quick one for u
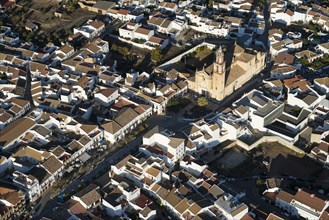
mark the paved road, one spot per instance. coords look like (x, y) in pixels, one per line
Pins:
(46, 204)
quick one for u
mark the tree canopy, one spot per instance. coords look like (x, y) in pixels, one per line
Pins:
(202, 101)
(156, 55)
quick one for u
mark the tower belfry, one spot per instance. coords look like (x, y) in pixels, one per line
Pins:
(219, 55)
(219, 64)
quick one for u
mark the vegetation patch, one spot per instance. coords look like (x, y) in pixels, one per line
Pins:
(175, 105)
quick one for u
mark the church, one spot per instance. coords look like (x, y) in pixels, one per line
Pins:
(219, 80)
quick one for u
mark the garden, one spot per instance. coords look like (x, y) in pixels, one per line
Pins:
(175, 105)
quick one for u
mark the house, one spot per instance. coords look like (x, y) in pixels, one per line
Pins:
(203, 135)
(122, 191)
(109, 79)
(43, 178)
(100, 7)
(31, 27)
(302, 204)
(90, 29)
(74, 207)
(143, 33)
(28, 184)
(63, 52)
(283, 200)
(231, 212)
(284, 59)
(148, 210)
(5, 118)
(54, 166)
(158, 42)
(283, 71)
(10, 136)
(168, 6)
(12, 201)
(89, 196)
(19, 107)
(112, 203)
(107, 96)
(293, 45)
(278, 47)
(322, 84)
(26, 157)
(133, 30)
(294, 119)
(324, 48)
(136, 79)
(283, 16)
(322, 152)
(309, 55)
(127, 30)
(275, 35)
(172, 147)
(127, 118)
(162, 25)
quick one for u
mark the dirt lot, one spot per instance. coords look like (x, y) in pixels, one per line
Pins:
(42, 13)
(231, 159)
(135, 57)
(286, 162)
(283, 162)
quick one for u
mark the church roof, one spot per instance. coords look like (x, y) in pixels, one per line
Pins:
(209, 69)
(238, 49)
(235, 72)
(245, 57)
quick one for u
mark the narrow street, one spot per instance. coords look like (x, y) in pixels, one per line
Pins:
(48, 201)
(45, 205)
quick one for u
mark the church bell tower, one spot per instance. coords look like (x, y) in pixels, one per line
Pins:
(219, 64)
(218, 77)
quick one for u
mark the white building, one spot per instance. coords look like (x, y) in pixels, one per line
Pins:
(91, 29)
(303, 204)
(107, 96)
(172, 146)
(283, 71)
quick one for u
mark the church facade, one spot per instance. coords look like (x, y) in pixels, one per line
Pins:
(218, 80)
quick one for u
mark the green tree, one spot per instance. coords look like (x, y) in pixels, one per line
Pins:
(303, 61)
(202, 101)
(124, 51)
(210, 3)
(172, 102)
(114, 47)
(156, 55)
